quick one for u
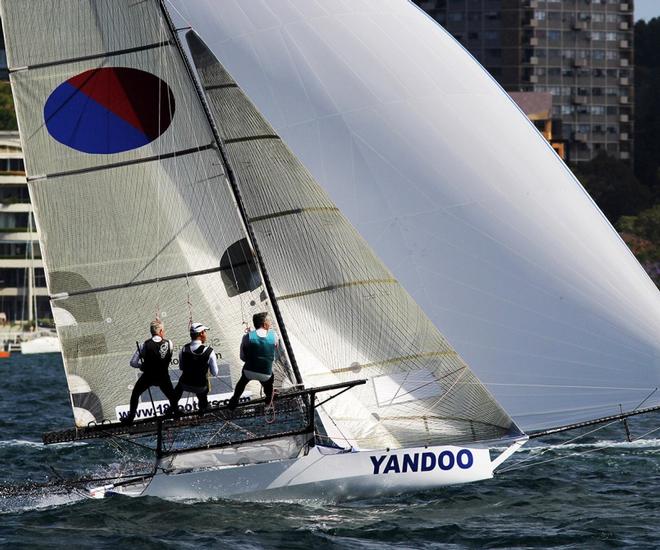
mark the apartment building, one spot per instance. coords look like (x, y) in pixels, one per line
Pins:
(580, 51)
(23, 293)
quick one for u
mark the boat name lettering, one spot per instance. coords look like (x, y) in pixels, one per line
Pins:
(425, 462)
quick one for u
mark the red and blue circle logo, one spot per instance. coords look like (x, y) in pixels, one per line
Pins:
(109, 110)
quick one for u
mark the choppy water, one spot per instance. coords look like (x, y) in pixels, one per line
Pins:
(603, 493)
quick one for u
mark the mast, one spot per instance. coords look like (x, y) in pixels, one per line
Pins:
(236, 193)
(30, 275)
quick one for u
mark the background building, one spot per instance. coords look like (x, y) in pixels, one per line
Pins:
(20, 257)
(580, 51)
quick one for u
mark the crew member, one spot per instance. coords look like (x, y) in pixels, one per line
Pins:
(195, 361)
(153, 359)
(258, 350)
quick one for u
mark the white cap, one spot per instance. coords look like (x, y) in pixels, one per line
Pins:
(196, 328)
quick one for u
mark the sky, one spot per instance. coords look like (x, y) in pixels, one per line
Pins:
(647, 9)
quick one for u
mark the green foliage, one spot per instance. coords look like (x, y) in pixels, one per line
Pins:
(642, 235)
(613, 186)
(646, 225)
(7, 114)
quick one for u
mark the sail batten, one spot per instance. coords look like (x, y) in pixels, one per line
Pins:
(91, 57)
(156, 158)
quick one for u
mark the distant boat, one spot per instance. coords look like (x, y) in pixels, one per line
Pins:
(41, 344)
(160, 189)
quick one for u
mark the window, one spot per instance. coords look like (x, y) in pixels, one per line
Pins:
(596, 35)
(540, 15)
(611, 36)
(597, 17)
(611, 55)
(598, 55)
(553, 36)
(597, 110)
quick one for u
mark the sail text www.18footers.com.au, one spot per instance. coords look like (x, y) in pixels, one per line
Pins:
(186, 405)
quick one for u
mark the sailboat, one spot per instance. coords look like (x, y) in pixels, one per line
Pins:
(39, 340)
(336, 165)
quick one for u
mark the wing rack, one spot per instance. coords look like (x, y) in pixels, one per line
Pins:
(294, 409)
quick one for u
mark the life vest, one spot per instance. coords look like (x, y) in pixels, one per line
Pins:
(260, 352)
(195, 365)
(156, 357)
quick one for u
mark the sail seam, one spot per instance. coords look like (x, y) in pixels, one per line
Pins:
(251, 138)
(390, 361)
(337, 286)
(92, 56)
(180, 153)
(294, 211)
(138, 283)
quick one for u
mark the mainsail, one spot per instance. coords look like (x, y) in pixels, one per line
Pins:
(347, 316)
(456, 192)
(135, 214)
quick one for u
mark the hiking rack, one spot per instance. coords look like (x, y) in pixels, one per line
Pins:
(294, 401)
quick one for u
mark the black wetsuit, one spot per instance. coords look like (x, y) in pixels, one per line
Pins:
(156, 357)
(194, 370)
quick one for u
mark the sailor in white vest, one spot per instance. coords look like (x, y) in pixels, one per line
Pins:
(153, 358)
(258, 350)
(196, 360)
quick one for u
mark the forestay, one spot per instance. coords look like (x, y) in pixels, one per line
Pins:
(127, 187)
(347, 316)
(457, 193)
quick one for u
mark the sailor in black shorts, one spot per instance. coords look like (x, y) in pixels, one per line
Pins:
(153, 359)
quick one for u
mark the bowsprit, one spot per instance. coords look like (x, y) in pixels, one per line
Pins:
(424, 462)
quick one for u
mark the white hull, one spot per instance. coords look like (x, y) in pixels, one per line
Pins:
(326, 477)
(41, 344)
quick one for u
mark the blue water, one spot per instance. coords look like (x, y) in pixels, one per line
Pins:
(601, 493)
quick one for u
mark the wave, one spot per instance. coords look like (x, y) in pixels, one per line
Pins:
(36, 444)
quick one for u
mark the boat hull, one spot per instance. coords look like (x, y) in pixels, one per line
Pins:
(41, 344)
(330, 477)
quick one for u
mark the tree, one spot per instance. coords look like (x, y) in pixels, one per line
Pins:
(613, 186)
(7, 114)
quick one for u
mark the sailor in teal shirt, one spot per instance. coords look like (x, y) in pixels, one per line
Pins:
(258, 350)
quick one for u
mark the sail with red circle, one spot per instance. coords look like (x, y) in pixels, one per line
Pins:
(109, 110)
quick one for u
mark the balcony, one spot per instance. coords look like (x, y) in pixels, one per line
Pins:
(533, 4)
(533, 60)
(579, 99)
(624, 118)
(624, 155)
(579, 62)
(580, 25)
(624, 44)
(623, 26)
(624, 7)
(533, 22)
(533, 41)
(624, 62)
(624, 81)
(623, 100)
(580, 137)
(534, 79)
(623, 136)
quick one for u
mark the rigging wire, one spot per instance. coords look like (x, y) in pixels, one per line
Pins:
(516, 466)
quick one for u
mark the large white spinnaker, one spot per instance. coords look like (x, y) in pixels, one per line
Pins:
(135, 215)
(457, 193)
